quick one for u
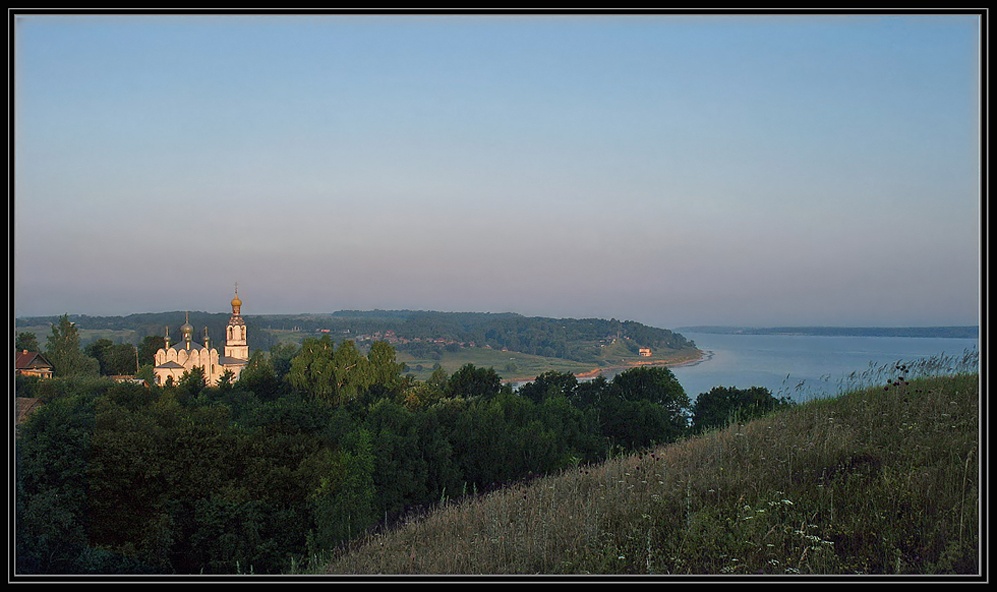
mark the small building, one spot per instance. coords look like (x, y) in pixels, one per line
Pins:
(644, 352)
(28, 363)
(127, 378)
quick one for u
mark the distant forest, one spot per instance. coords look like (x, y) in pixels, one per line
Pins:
(571, 339)
(967, 332)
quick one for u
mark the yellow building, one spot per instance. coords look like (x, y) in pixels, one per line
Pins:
(172, 361)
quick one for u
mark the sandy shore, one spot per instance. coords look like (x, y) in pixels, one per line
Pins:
(692, 360)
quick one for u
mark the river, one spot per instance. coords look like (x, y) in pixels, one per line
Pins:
(803, 367)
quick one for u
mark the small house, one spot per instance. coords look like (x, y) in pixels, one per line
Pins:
(28, 363)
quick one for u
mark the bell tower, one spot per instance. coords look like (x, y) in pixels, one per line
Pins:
(235, 333)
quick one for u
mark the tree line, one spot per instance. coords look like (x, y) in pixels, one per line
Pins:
(572, 339)
(308, 449)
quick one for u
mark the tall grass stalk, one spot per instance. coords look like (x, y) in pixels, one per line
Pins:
(878, 374)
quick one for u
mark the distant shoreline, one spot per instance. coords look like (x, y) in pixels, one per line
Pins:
(700, 357)
(954, 331)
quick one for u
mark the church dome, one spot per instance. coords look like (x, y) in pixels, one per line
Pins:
(186, 329)
(236, 302)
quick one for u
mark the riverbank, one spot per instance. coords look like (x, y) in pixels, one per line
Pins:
(692, 359)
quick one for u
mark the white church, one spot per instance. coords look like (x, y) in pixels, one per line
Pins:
(173, 360)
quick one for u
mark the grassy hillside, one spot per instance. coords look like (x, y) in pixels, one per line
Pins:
(879, 481)
(508, 365)
(512, 365)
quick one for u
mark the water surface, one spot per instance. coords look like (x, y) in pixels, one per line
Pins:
(805, 366)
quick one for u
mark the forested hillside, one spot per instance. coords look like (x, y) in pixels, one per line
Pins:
(416, 332)
(307, 450)
(881, 482)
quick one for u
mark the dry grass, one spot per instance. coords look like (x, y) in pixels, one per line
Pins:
(873, 482)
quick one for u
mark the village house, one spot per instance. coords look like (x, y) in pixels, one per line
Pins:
(28, 363)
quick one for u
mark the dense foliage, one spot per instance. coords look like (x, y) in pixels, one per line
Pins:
(310, 448)
(724, 405)
(64, 352)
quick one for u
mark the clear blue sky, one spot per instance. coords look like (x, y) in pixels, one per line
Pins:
(674, 170)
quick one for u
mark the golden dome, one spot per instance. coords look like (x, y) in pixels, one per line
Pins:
(186, 329)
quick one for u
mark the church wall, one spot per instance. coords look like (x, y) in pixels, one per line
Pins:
(206, 358)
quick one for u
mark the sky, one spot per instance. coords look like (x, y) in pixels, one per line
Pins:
(675, 170)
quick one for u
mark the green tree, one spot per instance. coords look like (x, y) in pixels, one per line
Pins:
(590, 393)
(400, 471)
(385, 369)
(147, 374)
(656, 384)
(645, 405)
(313, 369)
(343, 374)
(259, 377)
(191, 384)
(638, 424)
(26, 341)
(121, 359)
(435, 427)
(344, 500)
(98, 350)
(438, 379)
(127, 503)
(578, 437)
(550, 384)
(281, 355)
(148, 347)
(52, 485)
(723, 405)
(352, 372)
(113, 358)
(470, 381)
(64, 351)
(225, 381)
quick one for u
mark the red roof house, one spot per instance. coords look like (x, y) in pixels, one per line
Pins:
(28, 363)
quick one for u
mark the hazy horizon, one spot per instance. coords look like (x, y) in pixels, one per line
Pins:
(747, 170)
(690, 328)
